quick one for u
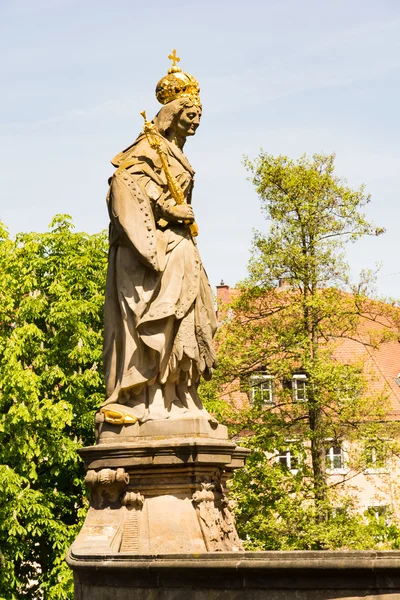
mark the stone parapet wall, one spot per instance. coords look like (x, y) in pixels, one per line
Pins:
(299, 575)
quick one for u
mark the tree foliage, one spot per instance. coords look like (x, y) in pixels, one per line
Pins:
(298, 328)
(51, 303)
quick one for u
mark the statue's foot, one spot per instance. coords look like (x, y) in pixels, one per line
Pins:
(119, 414)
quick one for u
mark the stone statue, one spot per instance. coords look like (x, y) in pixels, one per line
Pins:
(159, 469)
(159, 312)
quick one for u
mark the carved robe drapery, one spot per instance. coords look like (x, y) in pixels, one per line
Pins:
(159, 312)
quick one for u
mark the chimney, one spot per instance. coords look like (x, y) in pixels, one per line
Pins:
(223, 293)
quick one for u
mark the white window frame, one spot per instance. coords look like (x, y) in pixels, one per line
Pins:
(256, 381)
(330, 456)
(295, 380)
(288, 455)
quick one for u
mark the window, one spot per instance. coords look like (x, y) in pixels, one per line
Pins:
(338, 511)
(381, 512)
(261, 388)
(334, 458)
(299, 388)
(375, 455)
(288, 458)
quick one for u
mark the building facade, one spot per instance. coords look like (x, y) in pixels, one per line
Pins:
(369, 469)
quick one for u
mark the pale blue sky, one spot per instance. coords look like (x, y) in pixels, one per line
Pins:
(290, 76)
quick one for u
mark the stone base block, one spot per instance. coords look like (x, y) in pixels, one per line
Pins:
(160, 495)
(162, 429)
(240, 576)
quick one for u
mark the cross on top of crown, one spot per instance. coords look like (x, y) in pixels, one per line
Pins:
(175, 59)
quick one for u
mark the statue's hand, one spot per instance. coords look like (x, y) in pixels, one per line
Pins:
(182, 212)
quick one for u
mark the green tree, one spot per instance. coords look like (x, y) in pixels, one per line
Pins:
(296, 328)
(51, 303)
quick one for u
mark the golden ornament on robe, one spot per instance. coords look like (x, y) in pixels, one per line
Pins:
(177, 84)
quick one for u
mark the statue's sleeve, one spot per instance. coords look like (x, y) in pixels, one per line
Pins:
(132, 217)
(152, 181)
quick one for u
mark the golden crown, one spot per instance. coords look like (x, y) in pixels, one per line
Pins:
(177, 84)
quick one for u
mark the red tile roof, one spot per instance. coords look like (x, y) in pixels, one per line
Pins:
(381, 360)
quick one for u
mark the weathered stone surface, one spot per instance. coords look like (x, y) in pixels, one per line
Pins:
(176, 428)
(159, 317)
(157, 496)
(171, 451)
(240, 576)
(157, 475)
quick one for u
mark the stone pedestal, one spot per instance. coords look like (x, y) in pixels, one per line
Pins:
(159, 488)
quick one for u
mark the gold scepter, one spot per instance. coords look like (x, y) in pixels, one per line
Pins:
(175, 189)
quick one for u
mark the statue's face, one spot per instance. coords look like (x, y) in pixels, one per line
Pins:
(188, 121)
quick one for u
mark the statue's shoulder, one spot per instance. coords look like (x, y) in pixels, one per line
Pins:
(138, 152)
